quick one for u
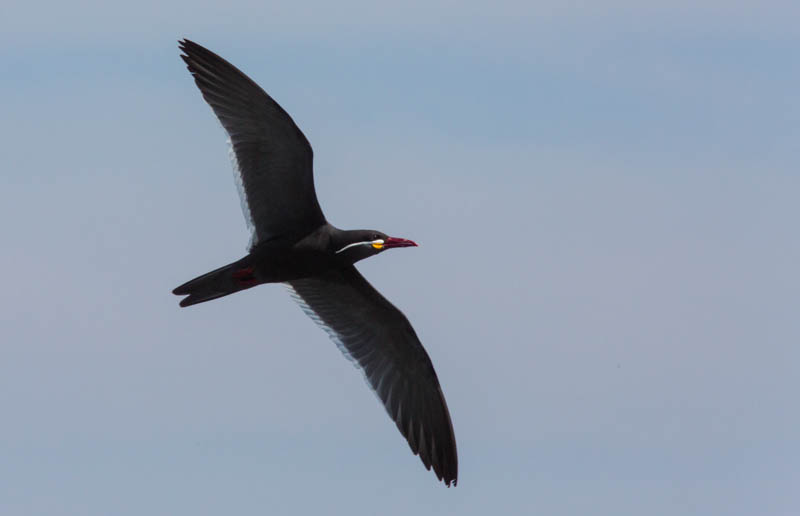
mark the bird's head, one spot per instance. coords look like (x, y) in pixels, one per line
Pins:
(359, 244)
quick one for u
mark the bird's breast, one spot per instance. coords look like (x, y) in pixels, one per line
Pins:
(279, 265)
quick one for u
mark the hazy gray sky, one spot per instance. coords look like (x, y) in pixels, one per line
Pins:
(606, 201)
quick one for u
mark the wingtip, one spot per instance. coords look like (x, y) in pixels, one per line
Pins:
(443, 464)
(449, 477)
(189, 47)
(182, 46)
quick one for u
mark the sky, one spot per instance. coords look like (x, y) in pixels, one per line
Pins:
(605, 199)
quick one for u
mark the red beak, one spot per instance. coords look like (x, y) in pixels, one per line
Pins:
(397, 242)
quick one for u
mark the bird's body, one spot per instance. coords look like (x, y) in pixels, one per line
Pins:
(292, 243)
(274, 261)
(278, 260)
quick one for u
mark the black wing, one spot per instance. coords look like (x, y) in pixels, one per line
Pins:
(378, 338)
(272, 158)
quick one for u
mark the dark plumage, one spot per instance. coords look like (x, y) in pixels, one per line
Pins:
(292, 243)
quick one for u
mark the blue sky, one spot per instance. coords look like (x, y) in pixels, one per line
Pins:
(606, 202)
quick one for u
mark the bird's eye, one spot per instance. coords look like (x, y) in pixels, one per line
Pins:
(375, 236)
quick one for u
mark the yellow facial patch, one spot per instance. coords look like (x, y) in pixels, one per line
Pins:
(377, 244)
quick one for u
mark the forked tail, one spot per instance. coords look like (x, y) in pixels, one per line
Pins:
(226, 280)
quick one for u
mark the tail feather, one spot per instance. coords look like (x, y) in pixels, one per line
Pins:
(217, 283)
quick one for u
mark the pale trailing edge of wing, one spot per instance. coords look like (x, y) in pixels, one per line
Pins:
(239, 181)
(330, 331)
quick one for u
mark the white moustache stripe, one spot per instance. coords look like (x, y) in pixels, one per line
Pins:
(367, 242)
(348, 246)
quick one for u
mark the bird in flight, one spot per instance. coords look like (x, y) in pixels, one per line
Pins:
(292, 243)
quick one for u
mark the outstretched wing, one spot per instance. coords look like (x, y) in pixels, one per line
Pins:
(273, 161)
(378, 338)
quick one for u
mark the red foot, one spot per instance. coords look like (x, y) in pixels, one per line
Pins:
(245, 273)
(245, 276)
